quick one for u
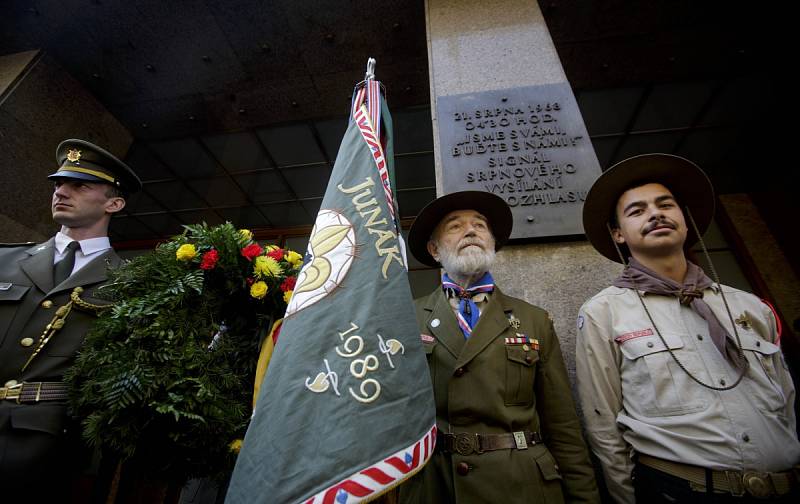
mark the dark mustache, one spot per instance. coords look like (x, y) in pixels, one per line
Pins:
(659, 223)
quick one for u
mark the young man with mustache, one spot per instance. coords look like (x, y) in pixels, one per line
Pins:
(685, 393)
(47, 305)
(508, 431)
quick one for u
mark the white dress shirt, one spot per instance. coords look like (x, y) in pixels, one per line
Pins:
(90, 248)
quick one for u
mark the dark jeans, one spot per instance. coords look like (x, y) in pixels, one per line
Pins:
(655, 487)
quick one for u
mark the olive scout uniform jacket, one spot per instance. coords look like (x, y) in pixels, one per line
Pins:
(33, 439)
(484, 385)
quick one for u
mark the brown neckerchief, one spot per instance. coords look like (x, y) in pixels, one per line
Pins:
(690, 293)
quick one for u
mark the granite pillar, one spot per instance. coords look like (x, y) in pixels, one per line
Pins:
(41, 105)
(484, 45)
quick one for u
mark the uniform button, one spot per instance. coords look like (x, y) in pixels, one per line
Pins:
(746, 438)
(649, 344)
(462, 468)
(700, 337)
(26, 342)
(11, 383)
(528, 359)
(47, 303)
(460, 371)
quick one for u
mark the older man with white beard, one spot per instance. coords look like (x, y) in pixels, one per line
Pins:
(508, 431)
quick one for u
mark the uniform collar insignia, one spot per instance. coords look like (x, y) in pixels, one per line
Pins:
(743, 321)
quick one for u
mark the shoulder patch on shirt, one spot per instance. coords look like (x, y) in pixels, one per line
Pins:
(622, 338)
(580, 322)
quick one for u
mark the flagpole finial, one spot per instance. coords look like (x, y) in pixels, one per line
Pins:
(370, 69)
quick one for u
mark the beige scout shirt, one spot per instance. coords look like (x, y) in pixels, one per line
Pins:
(635, 396)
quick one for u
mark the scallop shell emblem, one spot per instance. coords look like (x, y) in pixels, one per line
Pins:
(331, 247)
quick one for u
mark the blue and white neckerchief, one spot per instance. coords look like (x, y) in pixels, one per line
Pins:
(468, 312)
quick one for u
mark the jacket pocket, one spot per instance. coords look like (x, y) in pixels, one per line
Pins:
(520, 372)
(10, 298)
(764, 358)
(551, 477)
(655, 384)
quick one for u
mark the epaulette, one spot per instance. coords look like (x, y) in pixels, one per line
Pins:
(20, 244)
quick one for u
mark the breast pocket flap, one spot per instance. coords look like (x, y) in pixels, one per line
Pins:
(13, 292)
(646, 345)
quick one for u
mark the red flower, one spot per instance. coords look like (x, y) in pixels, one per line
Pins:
(276, 254)
(250, 281)
(289, 283)
(252, 251)
(209, 260)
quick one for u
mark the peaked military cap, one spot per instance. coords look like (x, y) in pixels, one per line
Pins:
(685, 180)
(79, 159)
(487, 204)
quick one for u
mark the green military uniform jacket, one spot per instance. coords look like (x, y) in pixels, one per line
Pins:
(482, 385)
(32, 434)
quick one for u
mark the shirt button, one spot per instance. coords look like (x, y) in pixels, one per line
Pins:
(746, 438)
(462, 468)
(722, 382)
(26, 342)
(649, 344)
(11, 383)
(700, 337)
(758, 343)
(47, 304)
(460, 371)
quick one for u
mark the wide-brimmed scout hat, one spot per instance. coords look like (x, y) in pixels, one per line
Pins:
(79, 159)
(487, 204)
(685, 180)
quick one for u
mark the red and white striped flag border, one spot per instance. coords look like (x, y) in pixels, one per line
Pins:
(372, 482)
(366, 113)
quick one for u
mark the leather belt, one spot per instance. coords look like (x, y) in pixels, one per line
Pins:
(33, 392)
(761, 485)
(465, 443)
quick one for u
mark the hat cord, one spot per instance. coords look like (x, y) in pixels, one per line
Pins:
(724, 300)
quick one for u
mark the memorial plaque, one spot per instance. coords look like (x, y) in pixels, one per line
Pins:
(529, 146)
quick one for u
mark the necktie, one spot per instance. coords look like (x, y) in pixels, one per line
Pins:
(63, 268)
(468, 312)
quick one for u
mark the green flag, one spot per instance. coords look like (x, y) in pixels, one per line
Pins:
(345, 411)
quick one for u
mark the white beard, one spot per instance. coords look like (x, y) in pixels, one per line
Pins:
(471, 261)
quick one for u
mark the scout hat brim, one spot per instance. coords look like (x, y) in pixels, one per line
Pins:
(487, 204)
(82, 160)
(687, 182)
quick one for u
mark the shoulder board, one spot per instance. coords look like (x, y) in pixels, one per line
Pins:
(20, 244)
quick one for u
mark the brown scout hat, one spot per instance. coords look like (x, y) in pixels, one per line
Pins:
(79, 159)
(687, 182)
(487, 204)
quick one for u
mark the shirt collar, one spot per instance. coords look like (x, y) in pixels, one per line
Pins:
(88, 246)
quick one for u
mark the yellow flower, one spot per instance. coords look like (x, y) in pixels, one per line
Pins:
(258, 290)
(186, 252)
(293, 258)
(246, 234)
(235, 445)
(264, 266)
(287, 296)
(270, 248)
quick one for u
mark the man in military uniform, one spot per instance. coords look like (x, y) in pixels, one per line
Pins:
(47, 304)
(686, 396)
(508, 431)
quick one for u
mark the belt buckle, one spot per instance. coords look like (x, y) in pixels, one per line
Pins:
(757, 484)
(11, 393)
(465, 444)
(520, 441)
